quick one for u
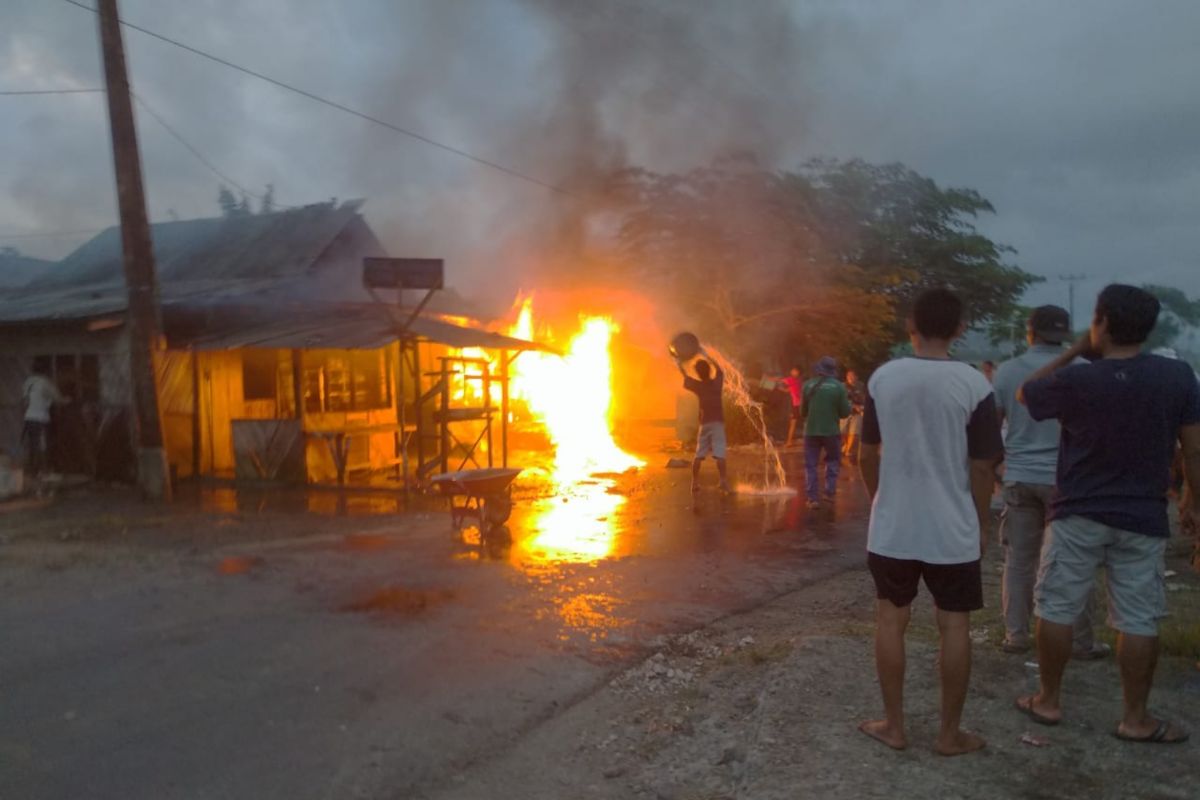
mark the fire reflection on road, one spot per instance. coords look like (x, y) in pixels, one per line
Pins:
(564, 537)
(591, 614)
(577, 526)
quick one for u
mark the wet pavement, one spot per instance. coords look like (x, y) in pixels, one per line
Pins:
(374, 654)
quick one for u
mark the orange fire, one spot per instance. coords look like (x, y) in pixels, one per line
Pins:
(571, 396)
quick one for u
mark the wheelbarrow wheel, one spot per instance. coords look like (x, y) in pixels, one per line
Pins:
(497, 509)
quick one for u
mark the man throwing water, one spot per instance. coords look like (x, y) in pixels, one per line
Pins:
(707, 387)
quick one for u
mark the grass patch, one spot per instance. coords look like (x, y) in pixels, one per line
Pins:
(757, 655)
(1179, 638)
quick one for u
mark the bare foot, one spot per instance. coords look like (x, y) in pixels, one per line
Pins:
(961, 743)
(879, 730)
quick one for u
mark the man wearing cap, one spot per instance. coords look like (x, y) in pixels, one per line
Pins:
(825, 404)
(1029, 476)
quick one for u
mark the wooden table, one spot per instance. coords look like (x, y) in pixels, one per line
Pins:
(338, 442)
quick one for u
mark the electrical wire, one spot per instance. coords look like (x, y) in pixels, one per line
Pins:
(336, 105)
(50, 91)
(192, 149)
(199, 156)
(48, 234)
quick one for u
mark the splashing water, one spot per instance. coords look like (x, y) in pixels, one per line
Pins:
(736, 389)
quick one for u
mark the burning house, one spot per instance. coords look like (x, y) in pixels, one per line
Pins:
(277, 365)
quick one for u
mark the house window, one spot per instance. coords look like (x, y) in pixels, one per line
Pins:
(260, 375)
(341, 380)
(368, 380)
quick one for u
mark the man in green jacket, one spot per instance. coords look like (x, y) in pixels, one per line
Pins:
(825, 404)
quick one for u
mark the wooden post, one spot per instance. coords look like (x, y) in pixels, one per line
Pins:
(153, 474)
(197, 446)
(504, 408)
(445, 422)
(401, 416)
(298, 385)
(487, 404)
(418, 409)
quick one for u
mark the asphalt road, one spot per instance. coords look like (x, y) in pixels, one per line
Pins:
(376, 655)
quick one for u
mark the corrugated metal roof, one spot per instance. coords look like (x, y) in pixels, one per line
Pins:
(18, 270)
(85, 302)
(252, 246)
(365, 328)
(216, 258)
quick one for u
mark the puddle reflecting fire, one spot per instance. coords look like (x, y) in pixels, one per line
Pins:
(577, 526)
(592, 614)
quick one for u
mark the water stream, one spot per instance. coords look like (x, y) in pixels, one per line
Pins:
(774, 478)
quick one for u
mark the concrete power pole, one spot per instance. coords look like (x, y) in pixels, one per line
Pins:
(1071, 280)
(138, 253)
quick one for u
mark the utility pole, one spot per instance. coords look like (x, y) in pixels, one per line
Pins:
(138, 255)
(1071, 280)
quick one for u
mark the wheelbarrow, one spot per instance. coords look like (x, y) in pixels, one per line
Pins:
(487, 495)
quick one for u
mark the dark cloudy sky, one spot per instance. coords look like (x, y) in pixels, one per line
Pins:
(1079, 120)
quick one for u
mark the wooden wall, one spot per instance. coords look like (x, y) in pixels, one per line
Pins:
(18, 348)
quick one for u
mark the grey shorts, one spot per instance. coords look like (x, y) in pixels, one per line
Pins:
(1075, 548)
(711, 441)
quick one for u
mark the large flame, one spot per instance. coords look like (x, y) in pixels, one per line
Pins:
(571, 396)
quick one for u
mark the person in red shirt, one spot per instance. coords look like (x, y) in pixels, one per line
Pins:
(793, 384)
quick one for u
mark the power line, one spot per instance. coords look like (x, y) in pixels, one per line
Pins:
(50, 234)
(192, 149)
(50, 91)
(165, 125)
(339, 106)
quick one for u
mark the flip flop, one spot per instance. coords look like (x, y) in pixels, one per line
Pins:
(1029, 711)
(1159, 736)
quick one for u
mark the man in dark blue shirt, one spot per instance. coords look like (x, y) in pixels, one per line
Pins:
(1122, 416)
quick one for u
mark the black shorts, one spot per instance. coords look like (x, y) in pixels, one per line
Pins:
(796, 412)
(955, 587)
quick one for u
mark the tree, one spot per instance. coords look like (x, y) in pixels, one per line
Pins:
(903, 228)
(231, 206)
(1010, 330)
(825, 259)
(1178, 312)
(228, 202)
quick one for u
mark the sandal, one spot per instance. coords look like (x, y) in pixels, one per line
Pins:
(1158, 736)
(1028, 710)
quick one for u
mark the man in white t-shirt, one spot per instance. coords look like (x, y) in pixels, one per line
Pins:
(931, 439)
(39, 393)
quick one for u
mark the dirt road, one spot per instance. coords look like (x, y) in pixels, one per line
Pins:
(628, 642)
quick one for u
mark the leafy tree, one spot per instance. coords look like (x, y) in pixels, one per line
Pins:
(1009, 331)
(825, 259)
(228, 202)
(904, 229)
(731, 244)
(1178, 312)
(231, 206)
